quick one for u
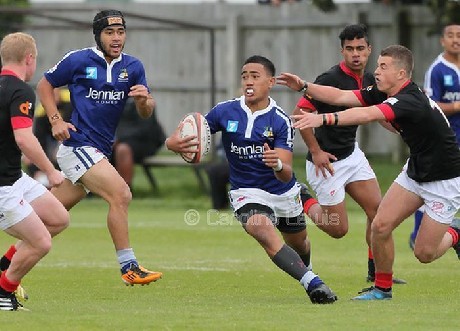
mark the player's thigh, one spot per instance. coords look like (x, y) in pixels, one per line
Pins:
(367, 194)
(334, 216)
(397, 205)
(32, 231)
(429, 235)
(104, 180)
(69, 194)
(50, 210)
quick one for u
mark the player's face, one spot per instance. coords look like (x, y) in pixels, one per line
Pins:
(387, 74)
(356, 54)
(450, 40)
(113, 40)
(256, 84)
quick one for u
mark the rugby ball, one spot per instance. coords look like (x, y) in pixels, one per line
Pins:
(195, 124)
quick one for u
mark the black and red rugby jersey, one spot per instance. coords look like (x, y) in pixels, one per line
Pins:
(434, 153)
(17, 101)
(337, 140)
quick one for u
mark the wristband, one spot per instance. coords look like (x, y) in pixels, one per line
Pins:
(54, 117)
(336, 119)
(304, 87)
(279, 166)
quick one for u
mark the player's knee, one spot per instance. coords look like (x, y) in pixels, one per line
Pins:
(337, 230)
(43, 245)
(379, 228)
(424, 254)
(340, 233)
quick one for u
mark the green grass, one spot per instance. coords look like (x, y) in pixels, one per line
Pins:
(217, 278)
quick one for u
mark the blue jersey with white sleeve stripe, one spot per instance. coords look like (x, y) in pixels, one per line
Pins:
(442, 84)
(243, 136)
(98, 93)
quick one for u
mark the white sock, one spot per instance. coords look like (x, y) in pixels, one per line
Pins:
(125, 255)
(307, 278)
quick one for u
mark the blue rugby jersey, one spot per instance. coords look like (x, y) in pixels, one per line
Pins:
(243, 136)
(442, 84)
(98, 93)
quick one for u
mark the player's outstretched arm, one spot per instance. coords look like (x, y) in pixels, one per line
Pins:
(351, 116)
(326, 94)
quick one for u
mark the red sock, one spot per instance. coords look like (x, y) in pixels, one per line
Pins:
(384, 280)
(369, 253)
(10, 252)
(454, 235)
(307, 205)
(6, 284)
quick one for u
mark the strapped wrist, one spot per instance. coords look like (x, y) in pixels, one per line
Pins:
(303, 89)
(279, 166)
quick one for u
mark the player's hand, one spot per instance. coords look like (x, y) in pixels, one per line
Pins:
(290, 80)
(322, 162)
(306, 120)
(181, 145)
(270, 156)
(60, 130)
(55, 177)
(139, 92)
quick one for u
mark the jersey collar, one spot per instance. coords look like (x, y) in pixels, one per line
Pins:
(352, 74)
(248, 111)
(100, 54)
(6, 72)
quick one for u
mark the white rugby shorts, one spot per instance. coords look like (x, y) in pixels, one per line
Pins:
(15, 200)
(330, 191)
(441, 198)
(76, 161)
(287, 204)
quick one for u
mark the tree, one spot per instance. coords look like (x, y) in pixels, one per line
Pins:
(11, 22)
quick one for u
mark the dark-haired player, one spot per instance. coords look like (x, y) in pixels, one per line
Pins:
(334, 149)
(257, 138)
(431, 176)
(100, 80)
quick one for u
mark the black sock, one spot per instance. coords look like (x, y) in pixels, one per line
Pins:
(371, 268)
(288, 260)
(383, 289)
(4, 263)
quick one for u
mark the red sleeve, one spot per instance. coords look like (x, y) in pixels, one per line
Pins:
(305, 103)
(360, 97)
(21, 122)
(387, 111)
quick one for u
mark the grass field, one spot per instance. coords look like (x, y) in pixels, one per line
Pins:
(217, 278)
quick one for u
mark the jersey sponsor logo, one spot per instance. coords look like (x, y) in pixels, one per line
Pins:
(123, 76)
(232, 126)
(105, 96)
(247, 152)
(437, 206)
(448, 80)
(391, 101)
(91, 72)
(451, 96)
(25, 107)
